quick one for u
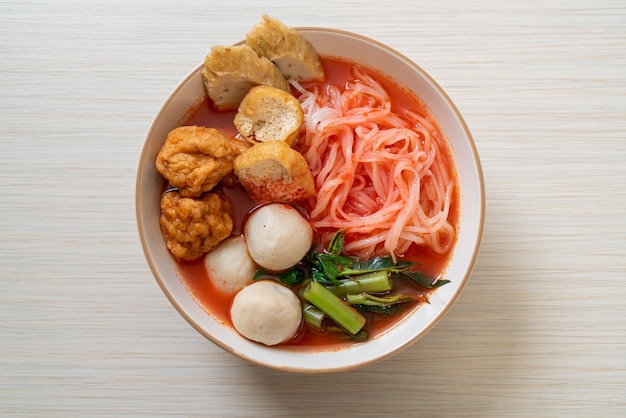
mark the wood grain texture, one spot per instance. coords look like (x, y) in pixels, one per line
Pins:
(540, 330)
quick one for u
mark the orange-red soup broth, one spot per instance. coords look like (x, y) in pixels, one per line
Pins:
(432, 263)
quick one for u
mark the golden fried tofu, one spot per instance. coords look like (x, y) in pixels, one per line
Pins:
(192, 227)
(273, 171)
(194, 158)
(288, 49)
(269, 114)
(230, 71)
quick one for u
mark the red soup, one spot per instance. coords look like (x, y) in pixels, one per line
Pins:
(386, 160)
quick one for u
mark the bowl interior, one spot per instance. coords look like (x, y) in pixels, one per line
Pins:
(369, 52)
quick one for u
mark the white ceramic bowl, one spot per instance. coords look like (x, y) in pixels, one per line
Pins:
(398, 67)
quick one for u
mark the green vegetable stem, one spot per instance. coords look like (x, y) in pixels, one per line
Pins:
(376, 282)
(334, 307)
(380, 301)
(313, 316)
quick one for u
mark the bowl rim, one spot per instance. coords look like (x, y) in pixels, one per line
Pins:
(304, 369)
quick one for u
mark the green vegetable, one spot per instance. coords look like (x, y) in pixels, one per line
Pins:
(313, 316)
(381, 263)
(381, 301)
(328, 276)
(381, 310)
(293, 277)
(386, 305)
(359, 336)
(259, 274)
(328, 267)
(373, 282)
(334, 307)
(335, 246)
(424, 281)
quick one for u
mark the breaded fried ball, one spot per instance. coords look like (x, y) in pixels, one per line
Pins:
(194, 158)
(194, 226)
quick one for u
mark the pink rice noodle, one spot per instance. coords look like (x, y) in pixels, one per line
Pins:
(380, 176)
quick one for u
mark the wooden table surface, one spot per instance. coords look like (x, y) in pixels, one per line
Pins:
(540, 329)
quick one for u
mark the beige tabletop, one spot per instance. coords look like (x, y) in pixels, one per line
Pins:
(540, 329)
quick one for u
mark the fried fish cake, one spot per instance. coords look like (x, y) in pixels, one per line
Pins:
(273, 171)
(269, 114)
(287, 48)
(230, 71)
(192, 227)
(194, 158)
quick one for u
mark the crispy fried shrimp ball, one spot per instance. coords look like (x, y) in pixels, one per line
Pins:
(194, 158)
(192, 227)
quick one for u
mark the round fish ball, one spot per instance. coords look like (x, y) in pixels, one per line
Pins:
(229, 265)
(277, 236)
(266, 312)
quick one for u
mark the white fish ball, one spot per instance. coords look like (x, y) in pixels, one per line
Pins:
(229, 266)
(266, 312)
(277, 236)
